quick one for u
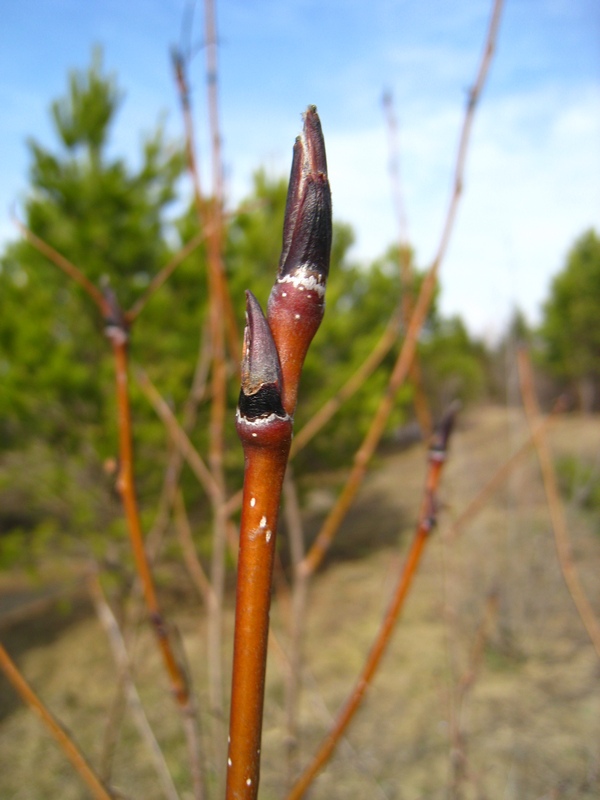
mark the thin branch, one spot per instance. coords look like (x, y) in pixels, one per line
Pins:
(117, 644)
(458, 736)
(427, 519)
(420, 401)
(406, 355)
(164, 274)
(73, 590)
(493, 484)
(352, 385)
(298, 622)
(175, 458)
(179, 436)
(555, 505)
(65, 742)
(463, 146)
(126, 486)
(190, 556)
(65, 265)
(220, 314)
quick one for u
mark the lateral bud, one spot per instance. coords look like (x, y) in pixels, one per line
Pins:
(260, 393)
(116, 328)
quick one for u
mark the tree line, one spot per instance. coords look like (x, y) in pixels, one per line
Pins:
(117, 223)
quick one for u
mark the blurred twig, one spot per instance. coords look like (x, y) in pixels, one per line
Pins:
(421, 403)
(458, 735)
(295, 530)
(63, 264)
(427, 520)
(498, 478)
(179, 436)
(164, 275)
(115, 638)
(405, 357)
(555, 505)
(63, 739)
(116, 329)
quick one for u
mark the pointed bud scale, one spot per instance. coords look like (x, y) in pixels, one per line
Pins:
(297, 301)
(115, 324)
(260, 395)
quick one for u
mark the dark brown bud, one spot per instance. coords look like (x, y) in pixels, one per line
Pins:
(441, 436)
(115, 323)
(297, 300)
(260, 394)
(307, 226)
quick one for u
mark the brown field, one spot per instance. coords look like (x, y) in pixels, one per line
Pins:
(529, 721)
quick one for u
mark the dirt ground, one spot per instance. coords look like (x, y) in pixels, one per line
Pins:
(510, 713)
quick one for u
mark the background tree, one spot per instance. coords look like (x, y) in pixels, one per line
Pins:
(56, 407)
(570, 329)
(57, 420)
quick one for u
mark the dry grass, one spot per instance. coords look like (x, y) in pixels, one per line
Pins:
(531, 721)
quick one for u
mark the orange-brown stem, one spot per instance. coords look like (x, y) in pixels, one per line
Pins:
(364, 454)
(426, 522)
(126, 488)
(265, 462)
(352, 385)
(272, 360)
(65, 742)
(420, 401)
(405, 358)
(63, 264)
(555, 506)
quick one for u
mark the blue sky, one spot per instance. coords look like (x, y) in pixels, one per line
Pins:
(533, 174)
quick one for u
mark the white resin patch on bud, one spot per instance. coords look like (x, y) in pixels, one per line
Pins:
(304, 278)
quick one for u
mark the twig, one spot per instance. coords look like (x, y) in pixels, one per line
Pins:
(354, 382)
(65, 265)
(65, 742)
(22, 612)
(190, 557)
(458, 758)
(298, 617)
(421, 404)
(179, 436)
(427, 519)
(116, 332)
(220, 313)
(555, 506)
(113, 633)
(126, 487)
(463, 146)
(164, 274)
(405, 357)
(498, 478)
(175, 458)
